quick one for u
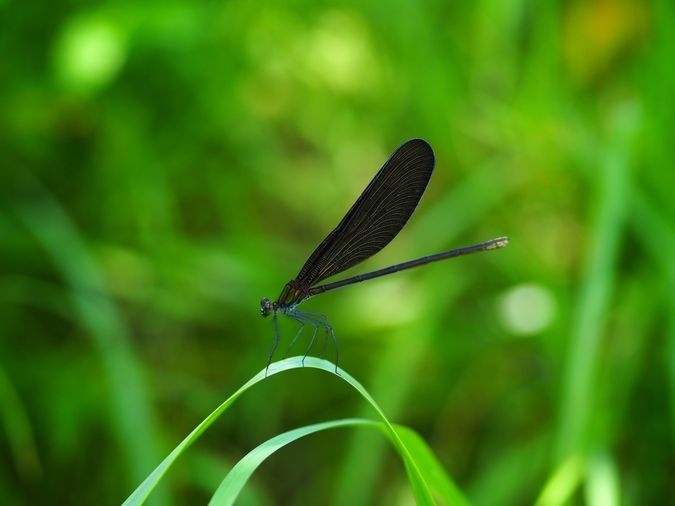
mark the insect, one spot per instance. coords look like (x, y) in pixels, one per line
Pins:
(377, 216)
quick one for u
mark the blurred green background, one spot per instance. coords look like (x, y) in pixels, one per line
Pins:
(164, 165)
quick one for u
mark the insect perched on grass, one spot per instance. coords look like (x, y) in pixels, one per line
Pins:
(377, 216)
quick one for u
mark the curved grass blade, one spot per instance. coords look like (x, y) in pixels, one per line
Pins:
(144, 489)
(233, 483)
(229, 489)
(433, 471)
(418, 481)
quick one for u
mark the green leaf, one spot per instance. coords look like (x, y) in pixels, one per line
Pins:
(422, 467)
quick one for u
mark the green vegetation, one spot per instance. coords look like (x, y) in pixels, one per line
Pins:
(163, 166)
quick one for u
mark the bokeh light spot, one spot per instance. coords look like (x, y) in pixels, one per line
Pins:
(89, 54)
(527, 309)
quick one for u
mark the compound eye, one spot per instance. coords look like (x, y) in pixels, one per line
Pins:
(266, 307)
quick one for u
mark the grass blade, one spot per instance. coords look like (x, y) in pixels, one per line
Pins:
(422, 468)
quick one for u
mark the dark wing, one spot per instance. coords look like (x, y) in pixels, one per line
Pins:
(377, 216)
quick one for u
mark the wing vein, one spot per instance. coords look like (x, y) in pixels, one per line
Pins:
(377, 216)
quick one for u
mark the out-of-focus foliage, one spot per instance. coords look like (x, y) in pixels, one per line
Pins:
(164, 165)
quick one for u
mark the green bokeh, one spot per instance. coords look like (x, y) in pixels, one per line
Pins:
(163, 166)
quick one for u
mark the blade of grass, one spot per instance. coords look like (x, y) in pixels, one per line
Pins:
(562, 483)
(142, 492)
(131, 409)
(416, 472)
(233, 483)
(434, 473)
(603, 480)
(611, 203)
